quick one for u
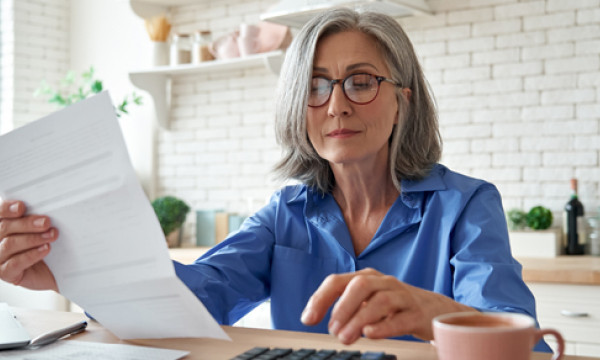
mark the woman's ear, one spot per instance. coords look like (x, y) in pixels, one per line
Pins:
(407, 93)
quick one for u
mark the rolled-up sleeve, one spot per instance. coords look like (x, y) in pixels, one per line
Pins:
(234, 276)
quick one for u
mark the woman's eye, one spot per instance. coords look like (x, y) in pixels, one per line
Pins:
(319, 87)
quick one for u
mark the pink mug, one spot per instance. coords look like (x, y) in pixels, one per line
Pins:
(489, 336)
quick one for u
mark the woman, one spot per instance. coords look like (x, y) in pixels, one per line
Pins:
(376, 224)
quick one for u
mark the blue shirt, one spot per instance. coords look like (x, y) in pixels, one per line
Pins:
(446, 233)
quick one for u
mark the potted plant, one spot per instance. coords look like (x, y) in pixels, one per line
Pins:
(531, 234)
(72, 90)
(171, 213)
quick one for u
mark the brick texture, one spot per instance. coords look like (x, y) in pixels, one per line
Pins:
(517, 84)
(37, 48)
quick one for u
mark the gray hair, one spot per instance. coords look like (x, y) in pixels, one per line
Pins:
(415, 142)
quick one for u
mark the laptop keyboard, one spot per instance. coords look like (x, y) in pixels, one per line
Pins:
(263, 353)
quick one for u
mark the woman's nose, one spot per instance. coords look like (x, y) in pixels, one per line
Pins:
(338, 105)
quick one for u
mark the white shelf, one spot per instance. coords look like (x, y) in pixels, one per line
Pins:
(149, 8)
(295, 13)
(156, 81)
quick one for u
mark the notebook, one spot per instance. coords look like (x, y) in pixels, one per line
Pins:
(12, 333)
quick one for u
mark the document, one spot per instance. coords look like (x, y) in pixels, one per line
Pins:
(111, 256)
(77, 350)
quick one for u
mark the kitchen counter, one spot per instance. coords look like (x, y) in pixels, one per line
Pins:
(576, 269)
(580, 270)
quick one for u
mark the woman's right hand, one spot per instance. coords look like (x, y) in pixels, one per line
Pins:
(24, 242)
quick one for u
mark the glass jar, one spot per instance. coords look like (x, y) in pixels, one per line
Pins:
(180, 49)
(593, 235)
(200, 47)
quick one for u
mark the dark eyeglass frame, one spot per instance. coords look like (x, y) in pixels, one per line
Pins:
(342, 83)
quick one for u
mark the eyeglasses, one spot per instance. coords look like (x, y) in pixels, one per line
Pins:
(360, 89)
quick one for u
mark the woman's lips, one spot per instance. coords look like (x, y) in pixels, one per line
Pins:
(342, 133)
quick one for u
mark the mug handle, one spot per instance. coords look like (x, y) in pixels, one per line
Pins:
(559, 340)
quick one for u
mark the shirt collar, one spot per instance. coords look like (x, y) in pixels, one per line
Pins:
(432, 182)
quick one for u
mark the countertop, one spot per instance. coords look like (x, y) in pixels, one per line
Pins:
(580, 270)
(574, 269)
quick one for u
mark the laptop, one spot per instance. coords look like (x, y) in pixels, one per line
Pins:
(12, 333)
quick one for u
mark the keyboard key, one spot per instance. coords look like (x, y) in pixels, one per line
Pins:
(263, 353)
(299, 354)
(322, 354)
(251, 354)
(273, 354)
(373, 356)
(346, 355)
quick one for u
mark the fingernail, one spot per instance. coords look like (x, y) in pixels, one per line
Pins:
(346, 337)
(43, 248)
(307, 317)
(39, 222)
(48, 234)
(14, 208)
(334, 328)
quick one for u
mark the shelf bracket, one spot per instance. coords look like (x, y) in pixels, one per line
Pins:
(273, 62)
(159, 87)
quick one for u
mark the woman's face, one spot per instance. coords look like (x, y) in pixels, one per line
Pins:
(341, 131)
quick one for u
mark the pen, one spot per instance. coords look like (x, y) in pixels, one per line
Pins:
(52, 336)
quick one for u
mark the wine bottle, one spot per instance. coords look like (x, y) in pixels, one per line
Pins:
(574, 226)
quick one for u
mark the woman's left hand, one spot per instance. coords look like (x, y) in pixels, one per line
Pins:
(377, 306)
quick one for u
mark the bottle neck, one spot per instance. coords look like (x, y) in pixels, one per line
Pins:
(574, 196)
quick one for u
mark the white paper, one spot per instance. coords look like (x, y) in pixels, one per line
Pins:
(111, 256)
(77, 350)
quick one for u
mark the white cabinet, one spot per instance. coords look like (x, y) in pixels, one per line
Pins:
(574, 310)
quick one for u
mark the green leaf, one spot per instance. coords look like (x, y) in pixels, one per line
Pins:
(96, 86)
(123, 106)
(44, 89)
(58, 99)
(69, 79)
(171, 212)
(517, 219)
(137, 99)
(80, 95)
(539, 218)
(77, 89)
(87, 76)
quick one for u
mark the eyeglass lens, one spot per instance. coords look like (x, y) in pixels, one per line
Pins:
(358, 88)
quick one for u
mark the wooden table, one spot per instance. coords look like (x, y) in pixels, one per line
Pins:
(39, 321)
(575, 269)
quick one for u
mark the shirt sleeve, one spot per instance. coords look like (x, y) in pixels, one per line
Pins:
(234, 277)
(486, 276)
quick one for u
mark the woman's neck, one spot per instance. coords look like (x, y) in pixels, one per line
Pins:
(362, 191)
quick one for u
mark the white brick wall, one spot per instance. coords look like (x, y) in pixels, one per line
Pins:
(537, 86)
(517, 84)
(37, 48)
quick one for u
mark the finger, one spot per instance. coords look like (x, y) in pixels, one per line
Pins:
(360, 288)
(380, 306)
(11, 209)
(23, 225)
(366, 299)
(15, 244)
(323, 298)
(396, 324)
(13, 270)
